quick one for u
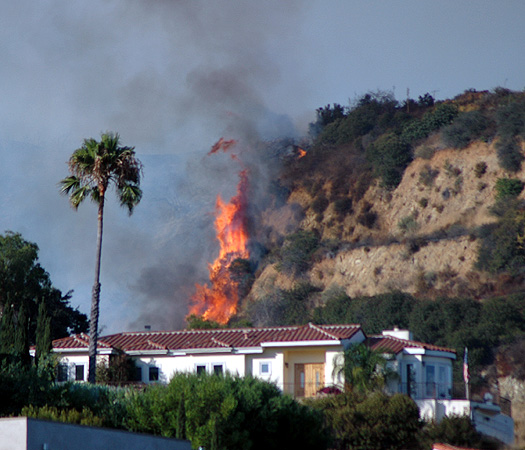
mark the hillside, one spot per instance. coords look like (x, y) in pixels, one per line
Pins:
(403, 214)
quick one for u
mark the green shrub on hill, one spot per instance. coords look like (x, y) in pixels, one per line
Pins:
(297, 251)
(466, 128)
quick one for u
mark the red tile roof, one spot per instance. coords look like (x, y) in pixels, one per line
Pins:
(211, 339)
(449, 447)
(391, 344)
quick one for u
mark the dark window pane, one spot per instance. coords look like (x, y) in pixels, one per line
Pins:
(79, 373)
(153, 374)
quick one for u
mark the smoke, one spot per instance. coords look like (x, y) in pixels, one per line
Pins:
(171, 77)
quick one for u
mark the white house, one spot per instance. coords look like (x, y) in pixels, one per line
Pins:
(300, 360)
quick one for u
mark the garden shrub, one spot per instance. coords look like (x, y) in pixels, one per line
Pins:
(375, 421)
(226, 413)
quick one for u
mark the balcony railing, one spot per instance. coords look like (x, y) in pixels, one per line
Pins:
(420, 391)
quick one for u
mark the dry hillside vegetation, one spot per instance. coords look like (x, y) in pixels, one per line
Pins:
(423, 237)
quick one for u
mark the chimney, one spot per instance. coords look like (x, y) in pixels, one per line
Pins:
(400, 334)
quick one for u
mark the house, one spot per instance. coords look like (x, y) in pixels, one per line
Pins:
(300, 360)
(23, 433)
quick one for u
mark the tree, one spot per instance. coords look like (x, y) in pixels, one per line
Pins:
(362, 369)
(43, 333)
(21, 349)
(94, 167)
(23, 281)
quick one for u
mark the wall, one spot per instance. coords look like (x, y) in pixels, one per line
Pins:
(43, 435)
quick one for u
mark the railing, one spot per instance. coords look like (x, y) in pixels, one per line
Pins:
(420, 391)
(437, 391)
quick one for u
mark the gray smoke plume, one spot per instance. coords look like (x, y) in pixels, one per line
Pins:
(171, 77)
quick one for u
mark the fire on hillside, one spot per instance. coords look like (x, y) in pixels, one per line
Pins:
(218, 300)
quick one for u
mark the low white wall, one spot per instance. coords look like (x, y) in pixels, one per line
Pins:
(60, 436)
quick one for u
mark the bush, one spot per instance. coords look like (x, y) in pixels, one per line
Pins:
(389, 155)
(428, 175)
(508, 187)
(480, 169)
(343, 206)
(226, 412)
(511, 120)
(320, 203)
(408, 224)
(443, 114)
(297, 251)
(501, 249)
(454, 430)
(377, 421)
(467, 127)
(509, 154)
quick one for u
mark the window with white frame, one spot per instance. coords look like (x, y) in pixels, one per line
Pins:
(218, 369)
(200, 369)
(79, 372)
(265, 368)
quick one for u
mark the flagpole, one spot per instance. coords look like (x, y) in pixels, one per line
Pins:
(466, 373)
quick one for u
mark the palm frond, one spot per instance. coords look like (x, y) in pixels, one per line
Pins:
(129, 196)
(69, 184)
(79, 195)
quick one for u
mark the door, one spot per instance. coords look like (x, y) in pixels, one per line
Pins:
(309, 378)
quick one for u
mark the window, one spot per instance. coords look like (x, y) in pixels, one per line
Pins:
(217, 369)
(431, 381)
(200, 369)
(137, 375)
(153, 374)
(265, 368)
(62, 372)
(79, 372)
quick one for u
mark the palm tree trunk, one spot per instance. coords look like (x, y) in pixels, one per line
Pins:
(95, 299)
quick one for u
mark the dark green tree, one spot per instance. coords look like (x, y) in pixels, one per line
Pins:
(43, 342)
(21, 348)
(23, 281)
(7, 331)
(95, 167)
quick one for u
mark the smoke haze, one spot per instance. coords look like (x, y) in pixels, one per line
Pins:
(174, 76)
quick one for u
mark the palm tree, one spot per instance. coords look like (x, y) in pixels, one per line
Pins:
(362, 369)
(94, 168)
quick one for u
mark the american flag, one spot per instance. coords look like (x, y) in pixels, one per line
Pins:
(466, 373)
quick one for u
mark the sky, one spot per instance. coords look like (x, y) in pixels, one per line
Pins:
(172, 77)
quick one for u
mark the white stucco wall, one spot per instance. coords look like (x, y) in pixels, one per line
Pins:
(169, 365)
(21, 433)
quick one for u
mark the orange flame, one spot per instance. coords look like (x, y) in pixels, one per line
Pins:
(218, 302)
(301, 152)
(223, 145)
